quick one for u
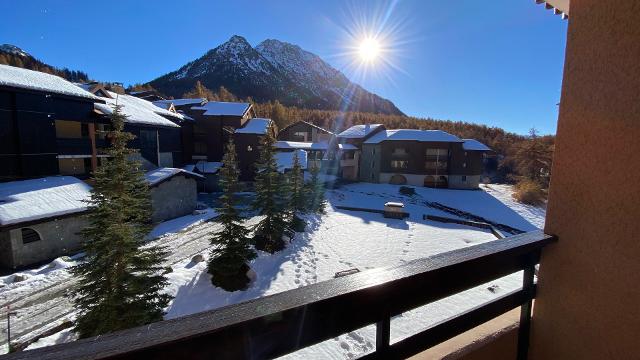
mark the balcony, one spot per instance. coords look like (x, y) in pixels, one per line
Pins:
(77, 146)
(282, 323)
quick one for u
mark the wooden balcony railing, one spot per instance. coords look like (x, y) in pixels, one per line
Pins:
(282, 323)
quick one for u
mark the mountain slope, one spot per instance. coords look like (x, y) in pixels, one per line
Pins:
(14, 56)
(274, 70)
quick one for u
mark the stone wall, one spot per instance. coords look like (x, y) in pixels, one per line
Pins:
(57, 237)
(173, 198)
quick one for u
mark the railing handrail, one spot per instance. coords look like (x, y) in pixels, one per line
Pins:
(281, 323)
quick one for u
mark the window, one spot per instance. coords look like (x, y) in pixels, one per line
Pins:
(435, 164)
(437, 152)
(399, 164)
(249, 148)
(464, 165)
(464, 178)
(399, 151)
(302, 135)
(29, 236)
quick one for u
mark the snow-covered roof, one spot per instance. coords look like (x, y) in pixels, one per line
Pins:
(35, 80)
(285, 159)
(323, 145)
(138, 111)
(358, 131)
(159, 175)
(474, 145)
(206, 167)
(28, 200)
(258, 126)
(413, 135)
(219, 108)
(178, 102)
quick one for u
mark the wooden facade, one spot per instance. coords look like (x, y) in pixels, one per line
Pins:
(43, 133)
(303, 131)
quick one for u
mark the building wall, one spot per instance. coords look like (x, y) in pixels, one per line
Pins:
(58, 237)
(588, 293)
(173, 198)
(370, 163)
(463, 168)
(312, 133)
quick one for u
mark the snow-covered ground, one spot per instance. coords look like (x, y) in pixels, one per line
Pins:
(341, 240)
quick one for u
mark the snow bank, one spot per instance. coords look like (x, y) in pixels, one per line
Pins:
(413, 135)
(35, 80)
(220, 108)
(138, 111)
(35, 199)
(258, 126)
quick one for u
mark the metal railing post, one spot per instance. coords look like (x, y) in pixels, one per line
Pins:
(528, 288)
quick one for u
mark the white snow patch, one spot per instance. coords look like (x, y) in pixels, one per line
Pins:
(28, 200)
(219, 108)
(35, 80)
(413, 135)
(358, 131)
(474, 145)
(285, 159)
(138, 111)
(158, 175)
(258, 126)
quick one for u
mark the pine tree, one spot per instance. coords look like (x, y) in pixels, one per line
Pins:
(270, 199)
(315, 192)
(297, 199)
(231, 251)
(120, 282)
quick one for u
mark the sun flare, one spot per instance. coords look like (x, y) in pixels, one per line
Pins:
(369, 49)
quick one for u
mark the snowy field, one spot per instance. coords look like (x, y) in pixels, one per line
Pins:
(341, 240)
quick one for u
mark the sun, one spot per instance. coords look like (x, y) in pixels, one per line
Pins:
(369, 49)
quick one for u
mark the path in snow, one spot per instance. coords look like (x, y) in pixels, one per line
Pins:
(341, 240)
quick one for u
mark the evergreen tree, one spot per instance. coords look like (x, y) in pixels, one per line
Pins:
(120, 282)
(316, 201)
(270, 199)
(231, 251)
(297, 200)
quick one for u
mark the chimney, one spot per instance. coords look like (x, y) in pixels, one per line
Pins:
(367, 128)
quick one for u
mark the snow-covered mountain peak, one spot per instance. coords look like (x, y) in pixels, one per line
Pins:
(12, 49)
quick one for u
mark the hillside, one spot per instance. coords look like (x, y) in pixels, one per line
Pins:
(14, 56)
(273, 70)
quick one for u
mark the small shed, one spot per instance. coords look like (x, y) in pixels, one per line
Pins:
(40, 219)
(209, 174)
(174, 192)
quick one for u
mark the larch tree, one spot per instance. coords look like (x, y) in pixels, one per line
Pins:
(271, 199)
(231, 247)
(120, 281)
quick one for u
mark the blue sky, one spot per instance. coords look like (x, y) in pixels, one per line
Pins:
(498, 63)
